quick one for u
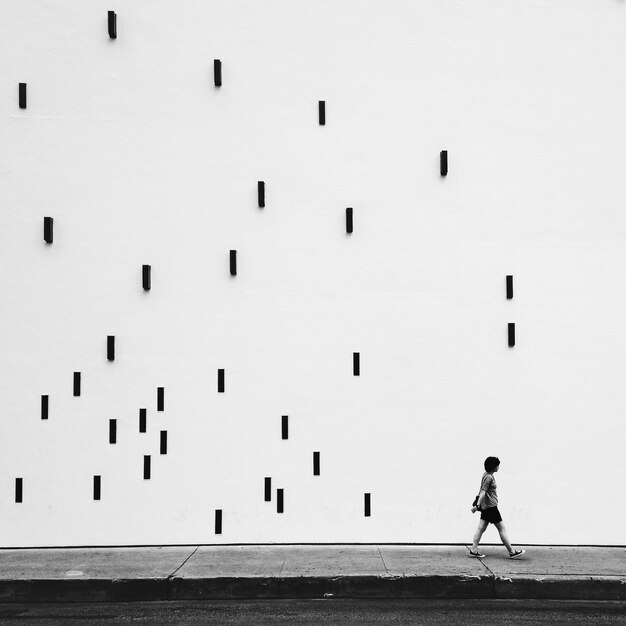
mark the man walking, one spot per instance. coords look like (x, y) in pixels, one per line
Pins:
(488, 506)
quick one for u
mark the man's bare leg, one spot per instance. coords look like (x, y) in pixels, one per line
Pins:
(482, 526)
(504, 537)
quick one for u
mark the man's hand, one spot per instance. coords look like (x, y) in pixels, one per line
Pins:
(474, 509)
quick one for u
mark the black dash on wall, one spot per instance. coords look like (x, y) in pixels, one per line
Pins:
(233, 262)
(146, 466)
(261, 191)
(164, 442)
(268, 489)
(322, 112)
(146, 277)
(160, 398)
(96, 487)
(368, 505)
(18, 489)
(142, 420)
(280, 501)
(509, 287)
(443, 162)
(77, 383)
(112, 431)
(112, 24)
(110, 348)
(218, 521)
(47, 229)
(285, 427)
(217, 72)
(511, 334)
(22, 95)
(220, 381)
(316, 464)
(44, 407)
(356, 363)
(349, 225)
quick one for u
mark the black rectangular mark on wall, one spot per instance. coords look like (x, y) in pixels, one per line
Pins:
(146, 277)
(146, 466)
(142, 420)
(218, 521)
(164, 442)
(77, 383)
(349, 224)
(511, 334)
(22, 95)
(112, 24)
(220, 381)
(316, 464)
(112, 431)
(443, 162)
(233, 262)
(18, 489)
(285, 427)
(509, 287)
(110, 348)
(96, 487)
(368, 505)
(356, 363)
(261, 193)
(217, 72)
(280, 501)
(44, 407)
(47, 229)
(268, 489)
(160, 398)
(322, 112)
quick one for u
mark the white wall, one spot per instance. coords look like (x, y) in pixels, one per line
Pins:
(140, 159)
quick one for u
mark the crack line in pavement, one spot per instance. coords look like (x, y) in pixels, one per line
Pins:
(383, 560)
(283, 565)
(483, 564)
(183, 563)
(492, 574)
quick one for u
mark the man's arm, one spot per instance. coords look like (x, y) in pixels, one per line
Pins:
(481, 497)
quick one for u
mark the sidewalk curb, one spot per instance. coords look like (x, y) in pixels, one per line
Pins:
(240, 588)
(465, 587)
(561, 588)
(83, 590)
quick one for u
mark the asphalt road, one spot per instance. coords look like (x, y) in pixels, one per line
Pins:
(329, 611)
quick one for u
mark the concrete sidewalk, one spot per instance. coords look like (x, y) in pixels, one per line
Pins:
(309, 571)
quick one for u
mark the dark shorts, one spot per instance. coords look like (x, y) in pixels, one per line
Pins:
(491, 515)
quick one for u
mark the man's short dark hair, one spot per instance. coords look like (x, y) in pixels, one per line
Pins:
(491, 462)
